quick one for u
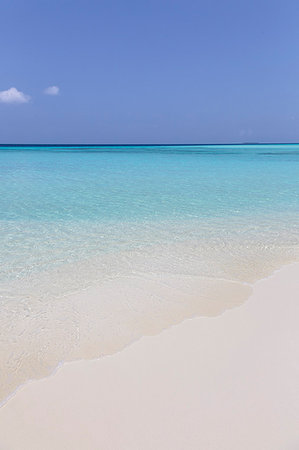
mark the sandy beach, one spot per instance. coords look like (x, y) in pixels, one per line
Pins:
(226, 382)
(149, 225)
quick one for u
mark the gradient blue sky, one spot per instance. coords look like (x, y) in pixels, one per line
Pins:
(157, 71)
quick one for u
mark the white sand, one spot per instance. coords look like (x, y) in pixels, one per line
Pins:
(225, 383)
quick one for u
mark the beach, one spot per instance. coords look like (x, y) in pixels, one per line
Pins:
(228, 382)
(148, 296)
(149, 225)
(101, 245)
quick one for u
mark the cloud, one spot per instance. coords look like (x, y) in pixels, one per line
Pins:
(12, 95)
(52, 90)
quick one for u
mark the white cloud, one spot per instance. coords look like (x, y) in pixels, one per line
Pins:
(12, 95)
(52, 90)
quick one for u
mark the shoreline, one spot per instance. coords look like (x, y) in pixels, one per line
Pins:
(96, 386)
(237, 300)
(81, 292)
(99, 305)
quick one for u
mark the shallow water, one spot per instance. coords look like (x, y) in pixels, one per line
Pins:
(100, 245)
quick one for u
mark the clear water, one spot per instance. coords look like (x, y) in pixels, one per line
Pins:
(76, 217)
(64, 203)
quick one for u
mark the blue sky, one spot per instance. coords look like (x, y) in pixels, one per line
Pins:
(155, 71)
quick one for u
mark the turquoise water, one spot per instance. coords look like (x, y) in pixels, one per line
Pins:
(146, 183)
(74, 217)
(61, 203)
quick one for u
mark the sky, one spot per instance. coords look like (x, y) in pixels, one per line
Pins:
(156, 71)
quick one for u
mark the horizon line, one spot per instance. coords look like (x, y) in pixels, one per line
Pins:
(143, 144)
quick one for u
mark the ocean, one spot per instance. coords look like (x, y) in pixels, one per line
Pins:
(103, 244)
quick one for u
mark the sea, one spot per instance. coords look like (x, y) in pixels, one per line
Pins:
(100, 245)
